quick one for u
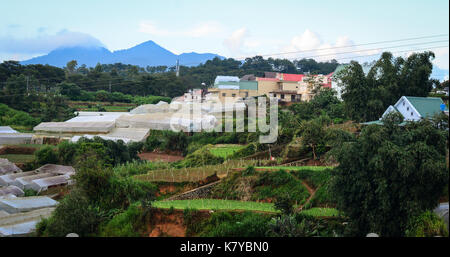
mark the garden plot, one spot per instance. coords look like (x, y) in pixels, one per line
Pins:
(215, 204)
(225, 150)
(194, 174)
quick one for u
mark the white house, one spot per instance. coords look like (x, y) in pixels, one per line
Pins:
(415, 108)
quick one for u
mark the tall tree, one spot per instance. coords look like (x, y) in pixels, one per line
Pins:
(390, 174)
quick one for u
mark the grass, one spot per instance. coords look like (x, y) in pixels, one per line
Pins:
(321, 212)
(215, 204)
(193, 174)
(18, 158)
(225, 150)
(295, 167)
(219, 204)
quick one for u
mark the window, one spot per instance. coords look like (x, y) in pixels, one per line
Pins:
(412, 113)
(282, 96)
(233, 95)
(403, 103)
(246, 94)
(274, 95)
(407, 108)
(224, 94)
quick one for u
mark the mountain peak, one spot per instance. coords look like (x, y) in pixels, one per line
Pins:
(145, 54)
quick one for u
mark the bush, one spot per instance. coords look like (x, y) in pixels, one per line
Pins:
(245, 151)
(66, 152)
(201, 157)
(46, 155)
(284, 203)
(249, 171)
(9, 116)
(428, 224)
(74, 214)
(166, 141)
(29, 192)
(226, 224)
(123, 224)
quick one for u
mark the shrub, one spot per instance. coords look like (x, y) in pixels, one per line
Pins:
(67, 217)
(428, 224)
(46, 155)
(123, 224)
(249, 171)
(284, 226)
(29, 192)
(284, 203)
(226, 224)
(66, 152)
(245, 151)
(201, 157)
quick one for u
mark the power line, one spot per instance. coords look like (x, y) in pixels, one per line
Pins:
(337, 47)
(363, 50)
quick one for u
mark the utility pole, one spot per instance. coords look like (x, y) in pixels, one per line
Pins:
(178, 68)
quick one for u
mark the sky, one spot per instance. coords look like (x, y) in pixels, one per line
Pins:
(230, 28)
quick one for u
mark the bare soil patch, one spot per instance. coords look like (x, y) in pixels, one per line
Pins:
(160, 157)
(12, 149)
(164, 224)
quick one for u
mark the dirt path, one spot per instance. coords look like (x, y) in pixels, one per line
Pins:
(311, 192)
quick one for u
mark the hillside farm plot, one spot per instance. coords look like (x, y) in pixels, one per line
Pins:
(20, 153)
(93, 106)
(293, 168)
(216, 204)
(225, 150)
(321, 212)
(18, 158)
(260, 186)
(193, 174)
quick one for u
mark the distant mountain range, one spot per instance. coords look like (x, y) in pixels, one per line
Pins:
(146, 54)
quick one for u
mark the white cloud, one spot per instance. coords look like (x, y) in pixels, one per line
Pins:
(441, 57)
(43, 42)
(310, 45)
(306, 41)
(236, 41)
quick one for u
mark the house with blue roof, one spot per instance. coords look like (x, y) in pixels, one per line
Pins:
(414, 108)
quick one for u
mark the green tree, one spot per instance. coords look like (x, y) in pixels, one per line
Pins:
(71, 66)
(390, 174)
(367, 97)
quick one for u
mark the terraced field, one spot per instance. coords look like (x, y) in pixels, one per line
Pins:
(321, 212)
(295, 168)
(193, 174)
(18, 158)
(225, 150)
(216, 204)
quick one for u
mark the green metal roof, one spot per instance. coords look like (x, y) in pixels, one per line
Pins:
(426, 106)
(248, 85)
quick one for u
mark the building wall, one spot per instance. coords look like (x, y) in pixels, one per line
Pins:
(287, 97)
(264, 87)
(223, 93)
(406, 109)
